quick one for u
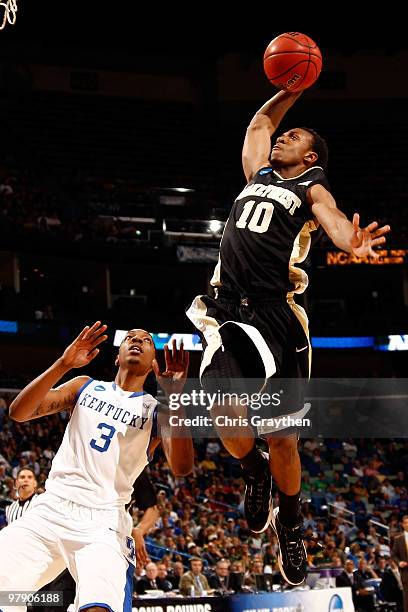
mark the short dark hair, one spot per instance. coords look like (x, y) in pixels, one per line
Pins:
(319, 146)
(29, 469)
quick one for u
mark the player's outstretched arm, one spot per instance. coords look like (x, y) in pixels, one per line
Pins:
(257, 144)
(346, 235)
(178, 449)
(39, 399)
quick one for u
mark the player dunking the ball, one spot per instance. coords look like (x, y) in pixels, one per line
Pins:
(80, 522)
(253, 328)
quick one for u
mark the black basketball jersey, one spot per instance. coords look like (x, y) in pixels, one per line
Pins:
(267, 233)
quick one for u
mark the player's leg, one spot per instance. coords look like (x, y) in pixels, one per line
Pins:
(100, 556)
(231, 357)
(286, 470)
(105, 578)
(235, 369)
(285, 461)
(29, 557)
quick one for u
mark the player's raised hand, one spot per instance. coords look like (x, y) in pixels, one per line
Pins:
(83, 349)
(364, 240)
(173, 379)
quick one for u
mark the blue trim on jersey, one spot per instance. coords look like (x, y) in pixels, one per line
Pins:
(82, 388)
(127, 601)
(96, 603)
(153, 432)
(134, 394)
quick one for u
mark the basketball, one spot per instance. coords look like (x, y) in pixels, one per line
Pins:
(292, 61)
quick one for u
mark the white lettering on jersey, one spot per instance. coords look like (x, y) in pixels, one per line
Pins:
(289, 200)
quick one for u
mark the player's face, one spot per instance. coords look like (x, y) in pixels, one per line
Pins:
(291, 148)
(26, 483)
(137, 350)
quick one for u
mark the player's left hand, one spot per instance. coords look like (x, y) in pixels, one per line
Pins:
(363, 240)
(140, 547)
(173, 379)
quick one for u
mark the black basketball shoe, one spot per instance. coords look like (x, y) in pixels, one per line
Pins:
(292, 551)
(258, 498)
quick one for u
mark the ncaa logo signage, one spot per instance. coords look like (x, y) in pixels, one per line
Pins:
(336, 604)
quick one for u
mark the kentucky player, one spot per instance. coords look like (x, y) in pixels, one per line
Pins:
(80, 522)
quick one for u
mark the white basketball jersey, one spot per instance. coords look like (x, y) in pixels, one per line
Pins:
(105, 445)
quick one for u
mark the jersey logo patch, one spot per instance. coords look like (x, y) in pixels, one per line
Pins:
(265, 171)
(305, 183)
(100, 388)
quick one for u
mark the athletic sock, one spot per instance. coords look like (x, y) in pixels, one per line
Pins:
(289, 509)
(254, 462)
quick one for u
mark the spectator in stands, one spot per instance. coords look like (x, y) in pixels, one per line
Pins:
(163, 578)
(219, 580)
(400, 557)
(254, 577)
(346, 578)
(151, 581)
(194, 582)
(391, 588)
(212, 553)
(192, 549)
(360, 510)
(380, 566)
(364, 598)
(175, 574)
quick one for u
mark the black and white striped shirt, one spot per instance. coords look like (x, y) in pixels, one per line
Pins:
(18, 508)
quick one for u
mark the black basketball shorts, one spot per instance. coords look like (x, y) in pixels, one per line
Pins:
(255, 345)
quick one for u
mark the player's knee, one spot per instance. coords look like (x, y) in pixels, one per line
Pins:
(286, 449)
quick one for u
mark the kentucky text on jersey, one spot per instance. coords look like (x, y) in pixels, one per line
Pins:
(95, 403)
(105, 446)
(271, 192)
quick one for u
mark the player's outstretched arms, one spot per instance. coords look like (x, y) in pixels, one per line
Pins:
(38, 398)
(346, 235)
(257, 144)
(178, 449)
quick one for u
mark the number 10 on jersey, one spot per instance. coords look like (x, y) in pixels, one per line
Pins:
(263, 209)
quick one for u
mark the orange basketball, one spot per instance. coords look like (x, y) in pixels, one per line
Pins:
(292, 61)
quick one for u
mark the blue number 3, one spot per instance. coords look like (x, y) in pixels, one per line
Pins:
(107, 438)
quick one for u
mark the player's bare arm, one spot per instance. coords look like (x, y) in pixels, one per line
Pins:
(178, 449)
(38, 398)
(346, 235)
(146, 523)
(257, 144)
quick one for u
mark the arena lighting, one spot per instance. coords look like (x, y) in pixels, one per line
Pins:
(343, 342)
(8, 327)
(215, 226)
(178, 189)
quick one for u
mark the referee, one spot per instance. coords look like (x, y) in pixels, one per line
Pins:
(26, 485)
